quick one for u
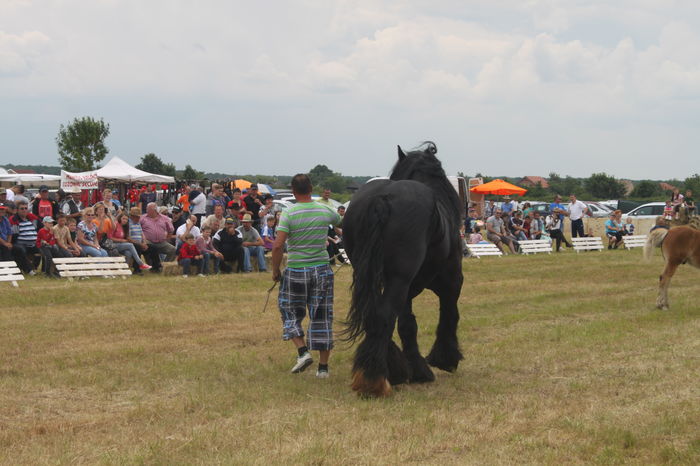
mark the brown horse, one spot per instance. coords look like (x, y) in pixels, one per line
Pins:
(679, 245)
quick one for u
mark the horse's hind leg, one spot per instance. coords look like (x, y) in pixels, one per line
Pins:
(419, 371)
(445, 354)
(664, 282)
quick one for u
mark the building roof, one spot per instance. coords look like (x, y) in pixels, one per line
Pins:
(667, 187)
(534, 181)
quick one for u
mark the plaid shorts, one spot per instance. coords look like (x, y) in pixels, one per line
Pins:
(310, 287)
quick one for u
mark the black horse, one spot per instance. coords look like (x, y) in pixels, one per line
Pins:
(402, 236)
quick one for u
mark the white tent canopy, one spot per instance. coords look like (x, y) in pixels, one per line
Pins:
(118, 169)
(28, 177)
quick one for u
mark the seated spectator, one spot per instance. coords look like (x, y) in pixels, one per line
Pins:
(629, 227)
(614, 231)
(189, 227)
(229, 242)
(237, 199)
(536, 226)
(470, 221)
(475, 237)
(120, 237)
(527, 208)
(24, 234)
(136, 237)
(496, 231)
(268, 233)
(43, 206)
(63, 237)
(668, 210)
(215, 221)
(206, 247)
(5, 234)
(553, 225)
(517, 226)
(689, 203)
(46, 242)
(190, 255)
(157, 229)
(252, 245)
(87, 235)
(103, 220)
(178, 218)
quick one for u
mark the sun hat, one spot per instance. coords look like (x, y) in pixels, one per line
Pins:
(247, 219)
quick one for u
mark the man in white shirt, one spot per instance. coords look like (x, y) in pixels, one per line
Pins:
(190, 226)
(577, 210)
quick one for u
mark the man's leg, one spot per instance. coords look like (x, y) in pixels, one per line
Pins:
(292, 306)
(320, 302)
(262, 267)
(20, 254)
(246, 259)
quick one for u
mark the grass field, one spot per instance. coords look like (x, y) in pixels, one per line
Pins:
(566, 361)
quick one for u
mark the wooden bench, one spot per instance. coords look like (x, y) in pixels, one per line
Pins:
(71, 267)
(587, 244)
(533, 246)
(634, 241)
(478, 250)
(9, 272)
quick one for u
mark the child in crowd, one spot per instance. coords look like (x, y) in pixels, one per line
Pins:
(629, 227)
(63, 237)
(268, 233)
(206, 248)
(72, 228)
(46, 243)
(189, 255)
(668, 211)
(476, 238)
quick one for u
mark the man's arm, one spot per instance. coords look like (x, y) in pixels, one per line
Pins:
(277, 251)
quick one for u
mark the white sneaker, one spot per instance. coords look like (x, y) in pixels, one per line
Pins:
(303, 361)
(322, 374)
(184, 276)
(201, 275)
(32, 273)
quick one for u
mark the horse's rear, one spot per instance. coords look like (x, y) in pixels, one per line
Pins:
(680, 245)
(400, 241)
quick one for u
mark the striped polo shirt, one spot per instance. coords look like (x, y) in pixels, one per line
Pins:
(26, 231)
(306, 225)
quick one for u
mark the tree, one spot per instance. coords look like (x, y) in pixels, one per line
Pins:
(647, 188)
(693, 183)
(191, 174)
(151, 163)
(81, 144)
(604, 186)
(319, 173)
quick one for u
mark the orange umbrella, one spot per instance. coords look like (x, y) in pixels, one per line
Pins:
(242, 184)
(498, 187)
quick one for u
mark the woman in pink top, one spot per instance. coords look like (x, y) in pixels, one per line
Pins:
(120, 238)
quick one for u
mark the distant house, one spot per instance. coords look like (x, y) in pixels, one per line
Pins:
(20, 171)
(667, 187)
(532, 181)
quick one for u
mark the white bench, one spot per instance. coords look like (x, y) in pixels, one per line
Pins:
(70, 267)
(478, 250)
(533, 246)
(9, 272)
(587, 244)
(634, 241)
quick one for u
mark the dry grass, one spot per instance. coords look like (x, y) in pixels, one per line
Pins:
(567, 361)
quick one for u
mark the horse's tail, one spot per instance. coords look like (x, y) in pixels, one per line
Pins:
(654, 240)
(367, 268)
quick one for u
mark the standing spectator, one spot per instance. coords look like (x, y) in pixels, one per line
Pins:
(24, 230)
(190, 255)
(178, 217)
(157, 228)
(267, 210)
(237, 198)
(489, 209)
(508, 205)
(5, 235)
(16, 194)
(87, 235)
(112, 205)
(147, 196)
(43, 206)
(234, 211)
(216, 197)
(526, 210)
(198, 203)
(215, 221)
(252, 245)
(104, 222)
(496, 231)
(253, 203)
(308, 279)
(326, 198)
(70, 206)
(184, 201)
(577, 210)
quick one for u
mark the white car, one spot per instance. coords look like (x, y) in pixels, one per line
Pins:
(650, 210)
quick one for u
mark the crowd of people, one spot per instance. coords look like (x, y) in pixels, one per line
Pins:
(219, 231)
(507, 225)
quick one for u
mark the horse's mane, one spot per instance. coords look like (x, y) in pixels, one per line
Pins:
(421, 165)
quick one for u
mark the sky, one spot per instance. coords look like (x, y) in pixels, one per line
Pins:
(508, 87)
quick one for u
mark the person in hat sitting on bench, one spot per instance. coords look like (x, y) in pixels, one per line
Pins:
(252, 245)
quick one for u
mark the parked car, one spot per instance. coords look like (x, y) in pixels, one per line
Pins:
(280, 205)
(649, 210)
(597, 209)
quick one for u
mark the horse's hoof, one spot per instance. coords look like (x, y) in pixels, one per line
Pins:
(366, 388)
(421, 372)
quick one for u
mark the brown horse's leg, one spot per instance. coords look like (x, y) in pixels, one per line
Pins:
(364, 387)
(664, 281)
